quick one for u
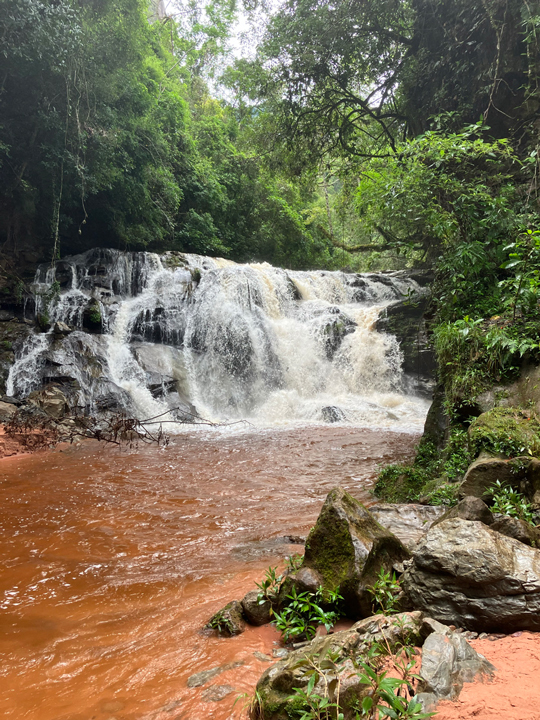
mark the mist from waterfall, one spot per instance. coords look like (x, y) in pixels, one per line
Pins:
(184, 334)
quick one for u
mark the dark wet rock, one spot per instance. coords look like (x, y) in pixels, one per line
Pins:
(408, 522)
(470, 508)
(255, 612)
(346, 550)
(467, 574)
(518, 529)
(448, 661)
(335, 330)
(11, 400)
(332, 414)
(405, 320)
(7, 411)
(229, 620)
(51, 400)
(215, 693)
(483, 474)
(201, 678)
(437, 424)
(276, 685)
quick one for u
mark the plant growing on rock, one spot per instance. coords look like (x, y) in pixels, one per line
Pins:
(269, 587)
(221, 623)
(304, 612)
(385, 591)
(508, 501)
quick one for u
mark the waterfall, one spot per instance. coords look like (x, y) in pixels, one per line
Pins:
(187, 335)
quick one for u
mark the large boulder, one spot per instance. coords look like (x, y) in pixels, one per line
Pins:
(448, 661)
(517, 528)
(408, 522)
(345, 551)
(275, 688)
(470, 508)
(467, 574)
(522, 473)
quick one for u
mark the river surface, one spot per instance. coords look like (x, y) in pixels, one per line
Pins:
(111, 562)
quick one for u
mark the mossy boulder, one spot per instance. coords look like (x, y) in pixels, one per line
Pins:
(346, 550)
(505, 431)
(275, 689)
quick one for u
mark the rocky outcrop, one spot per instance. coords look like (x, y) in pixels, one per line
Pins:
(448, 661)
(51, 400)
(345, 551)
(467, 574)
(405, 319)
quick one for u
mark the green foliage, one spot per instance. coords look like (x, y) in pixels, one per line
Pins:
(221, 623)
(428, 475)
(445, 494)
(304, 612)
(507, 501)
(269, 586)
(385, 592)
(505, 431)
(294, 562)
(314, 705)
(385, 689)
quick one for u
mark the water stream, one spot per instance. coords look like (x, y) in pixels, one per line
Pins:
(111, 562)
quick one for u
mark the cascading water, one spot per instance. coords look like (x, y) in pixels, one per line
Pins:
(188, 335)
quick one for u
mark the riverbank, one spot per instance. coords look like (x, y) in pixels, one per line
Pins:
(513, 694)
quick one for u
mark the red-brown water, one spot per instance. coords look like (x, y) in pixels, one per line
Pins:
(111, 561)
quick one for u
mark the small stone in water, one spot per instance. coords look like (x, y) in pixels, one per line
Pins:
(261, 656)
(215, 693)
(280, 652)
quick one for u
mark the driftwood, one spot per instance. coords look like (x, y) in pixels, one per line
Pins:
(34, 429)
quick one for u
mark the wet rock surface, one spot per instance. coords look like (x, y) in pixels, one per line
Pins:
(448, 661)
(255, 612)
(201, 678)
(470, 508)
(408, 522)
(229, 620)
(466, 573)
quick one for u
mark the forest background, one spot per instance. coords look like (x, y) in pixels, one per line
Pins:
(355, 134)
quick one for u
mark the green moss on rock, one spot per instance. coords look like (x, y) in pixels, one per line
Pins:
(505, 431)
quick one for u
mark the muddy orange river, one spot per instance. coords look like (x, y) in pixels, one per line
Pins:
(111, 562)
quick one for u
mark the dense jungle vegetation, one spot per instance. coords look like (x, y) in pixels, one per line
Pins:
(368, 134)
